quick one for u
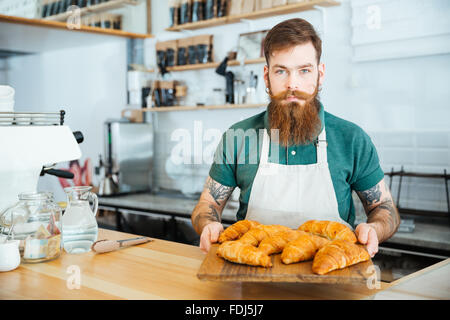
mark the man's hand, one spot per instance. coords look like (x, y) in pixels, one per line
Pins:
(207, 213)
(367, 235)
(382, 217)
(210, 234)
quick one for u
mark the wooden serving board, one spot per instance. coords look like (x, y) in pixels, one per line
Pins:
(218, 269)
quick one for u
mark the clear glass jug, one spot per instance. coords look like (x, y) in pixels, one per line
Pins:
(79, 225)
(36, 222)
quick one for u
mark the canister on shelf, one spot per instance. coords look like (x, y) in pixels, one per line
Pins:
(117, 22)
(185, 11)
(167, 93)
(222, 8)
(161, 54)
(203, 48)
(182, 52)
(208, 11)
(157, 93)
(174, 11)
(171, 52)
(197, 10)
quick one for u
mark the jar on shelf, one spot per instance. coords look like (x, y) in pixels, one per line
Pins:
(36, 221)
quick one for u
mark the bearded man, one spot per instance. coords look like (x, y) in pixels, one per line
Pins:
(308, 161)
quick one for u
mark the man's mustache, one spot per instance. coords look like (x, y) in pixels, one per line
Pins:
(293, 93)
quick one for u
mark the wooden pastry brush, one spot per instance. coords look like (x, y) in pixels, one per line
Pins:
(103, 246)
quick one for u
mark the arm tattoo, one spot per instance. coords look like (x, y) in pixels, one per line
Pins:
(371, 196)
(211, 215)
(390, 219)
(218, 192)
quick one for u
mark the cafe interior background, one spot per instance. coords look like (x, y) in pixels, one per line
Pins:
(387, 70)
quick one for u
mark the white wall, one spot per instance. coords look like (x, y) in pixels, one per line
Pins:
(400, 101)
(88, 82)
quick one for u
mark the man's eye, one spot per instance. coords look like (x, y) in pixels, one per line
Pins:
(279, 71)
(304, 71)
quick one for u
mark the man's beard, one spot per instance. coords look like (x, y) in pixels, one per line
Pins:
(297, 124)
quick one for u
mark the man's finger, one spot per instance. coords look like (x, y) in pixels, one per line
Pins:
(372, 242)
(214, 236)
(363, 234)
(204, 240)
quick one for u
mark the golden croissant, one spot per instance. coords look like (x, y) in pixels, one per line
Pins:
(256, 235)
(236, 230)
(303, 248)
(338, 254)
(330, 229)
(239, 252)
(277, 242)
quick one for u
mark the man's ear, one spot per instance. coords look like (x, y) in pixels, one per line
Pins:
(321, 69)
(266, 75)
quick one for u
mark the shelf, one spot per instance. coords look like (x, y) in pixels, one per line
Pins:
(25, 35)
(102, 7)
(286, 9)
(192, 108)
(214, 65)
(141, 68)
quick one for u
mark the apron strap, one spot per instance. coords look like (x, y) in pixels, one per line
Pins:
(321, 147)
(264, 159)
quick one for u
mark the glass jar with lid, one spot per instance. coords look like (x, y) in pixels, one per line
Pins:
(36, 221)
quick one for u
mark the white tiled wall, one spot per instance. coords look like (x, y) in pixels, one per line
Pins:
(401, 103)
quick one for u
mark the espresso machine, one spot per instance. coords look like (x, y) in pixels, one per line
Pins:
(31, 144)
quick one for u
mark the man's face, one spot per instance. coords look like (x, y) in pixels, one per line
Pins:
(294, 69)
(293, 78)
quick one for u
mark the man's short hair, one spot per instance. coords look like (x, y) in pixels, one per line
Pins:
(291, 33)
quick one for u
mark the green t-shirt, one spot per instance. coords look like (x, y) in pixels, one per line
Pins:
(352, 159)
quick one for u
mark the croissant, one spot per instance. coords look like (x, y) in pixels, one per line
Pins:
(239, 252)
(303, 248)
(330, 229)
(277, 242)
(256, 235)
(338, 254)
(236, 230)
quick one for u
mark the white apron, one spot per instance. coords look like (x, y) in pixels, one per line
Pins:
(292, 194)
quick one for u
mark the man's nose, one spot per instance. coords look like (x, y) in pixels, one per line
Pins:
(292, 83)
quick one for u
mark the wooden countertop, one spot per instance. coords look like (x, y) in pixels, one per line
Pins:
(156, 270)
(431, 283)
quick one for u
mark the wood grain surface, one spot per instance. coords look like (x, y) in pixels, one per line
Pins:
(216, 268)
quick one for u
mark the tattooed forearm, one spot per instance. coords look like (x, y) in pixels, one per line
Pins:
(218, 192)
(210, 205)
(212, 216)
(204, 214)
(381, 211)
(386, 216)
